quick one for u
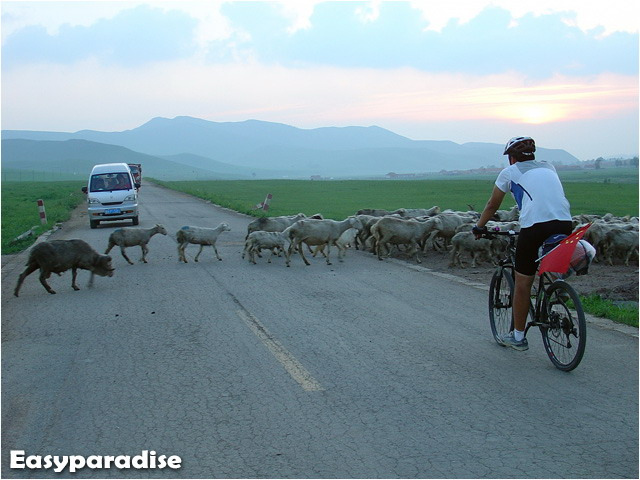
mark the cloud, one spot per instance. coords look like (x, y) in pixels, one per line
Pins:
(618, 16)
(376, 34)
(395, 35)
(131, 37)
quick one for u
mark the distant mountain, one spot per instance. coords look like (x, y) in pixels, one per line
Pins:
(77, 157)
(260, 149)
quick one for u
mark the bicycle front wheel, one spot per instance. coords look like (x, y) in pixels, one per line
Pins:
(501, 303)
(564, 329)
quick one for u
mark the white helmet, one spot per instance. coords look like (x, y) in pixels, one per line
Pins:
(524, 145)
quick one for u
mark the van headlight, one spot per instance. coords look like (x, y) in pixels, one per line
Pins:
(92, 200)
(130, 198)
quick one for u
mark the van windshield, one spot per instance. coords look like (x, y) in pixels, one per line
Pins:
(110, 181)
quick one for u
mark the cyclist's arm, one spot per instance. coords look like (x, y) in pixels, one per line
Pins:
(493, 204)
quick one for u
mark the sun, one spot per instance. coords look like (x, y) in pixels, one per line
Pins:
(534, 113)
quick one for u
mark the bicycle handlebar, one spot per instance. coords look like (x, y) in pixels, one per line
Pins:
(490, 234)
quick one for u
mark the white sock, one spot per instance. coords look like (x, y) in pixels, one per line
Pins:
(518, 335)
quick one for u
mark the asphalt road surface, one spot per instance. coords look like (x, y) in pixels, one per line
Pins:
(360, 369)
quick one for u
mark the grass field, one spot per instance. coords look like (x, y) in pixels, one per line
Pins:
(339, 199)
(603, 175)
(20, 209)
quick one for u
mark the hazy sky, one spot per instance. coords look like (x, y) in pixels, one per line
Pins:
(564, 72)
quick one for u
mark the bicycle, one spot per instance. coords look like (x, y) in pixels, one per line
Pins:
(563, 329)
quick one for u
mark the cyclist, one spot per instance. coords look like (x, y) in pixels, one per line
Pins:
(544, 211)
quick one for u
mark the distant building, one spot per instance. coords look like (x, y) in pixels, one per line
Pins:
(399, 176)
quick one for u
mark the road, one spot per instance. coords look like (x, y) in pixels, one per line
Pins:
(362, 369)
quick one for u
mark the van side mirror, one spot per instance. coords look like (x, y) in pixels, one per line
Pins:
(84, 189)
(137, 185)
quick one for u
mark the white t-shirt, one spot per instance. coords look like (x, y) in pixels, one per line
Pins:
(537, 190)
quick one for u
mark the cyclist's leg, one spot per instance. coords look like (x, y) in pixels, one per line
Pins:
(525, 269)
(522, 300)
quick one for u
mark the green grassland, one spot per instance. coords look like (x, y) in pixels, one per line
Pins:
(20, 209)
(339, 199)
(602, 175)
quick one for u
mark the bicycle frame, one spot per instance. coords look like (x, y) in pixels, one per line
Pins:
(544, 281)
(537, 319)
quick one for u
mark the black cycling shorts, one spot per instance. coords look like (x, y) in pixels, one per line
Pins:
(530, 240)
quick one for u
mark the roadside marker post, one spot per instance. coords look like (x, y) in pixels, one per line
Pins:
(43, 215)
(264, 205)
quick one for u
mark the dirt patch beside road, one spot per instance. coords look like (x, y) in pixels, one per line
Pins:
(617, 282)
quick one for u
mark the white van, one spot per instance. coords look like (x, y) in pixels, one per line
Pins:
(111, 194)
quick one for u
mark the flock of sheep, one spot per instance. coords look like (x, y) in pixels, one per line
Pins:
(419, 230)
(378, 231)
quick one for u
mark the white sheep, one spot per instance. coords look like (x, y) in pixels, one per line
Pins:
(273, 224)
(620, 243)
(421, 212)
(598, 231)
(261, 240)
(129, 237)
(199, 236)
(346, 240)
(379, 212)
(365, 233)
(390, 230)
(466, 242)
(507, 215)
(446, 228)
(318, 232)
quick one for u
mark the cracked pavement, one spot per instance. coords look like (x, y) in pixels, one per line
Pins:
(412, 384)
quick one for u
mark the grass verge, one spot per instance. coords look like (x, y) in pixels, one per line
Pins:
(600, 307)
(20, 209)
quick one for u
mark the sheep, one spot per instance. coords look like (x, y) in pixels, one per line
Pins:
(466, 242)
(621, 243)
(259, 240)
(346, 240)
(507, 215)
(129, 237)
(318, 232)
(377, 212)
(446, 228)
(595, 236)
(398, 232)
(273, 224)
(200, 236)
(57, 256)
(365, 233)
(584, 219)
(421, 212)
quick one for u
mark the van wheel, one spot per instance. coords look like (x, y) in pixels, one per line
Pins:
(134, 221)
(93, 223)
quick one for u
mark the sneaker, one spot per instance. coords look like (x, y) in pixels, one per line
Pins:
(508, 340)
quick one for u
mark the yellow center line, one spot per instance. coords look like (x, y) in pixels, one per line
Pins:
(293, 367)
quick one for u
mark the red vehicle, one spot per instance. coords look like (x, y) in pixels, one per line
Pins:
(136, 172)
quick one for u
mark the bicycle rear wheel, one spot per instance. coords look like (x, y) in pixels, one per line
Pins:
(501, 303)
(564, 333)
